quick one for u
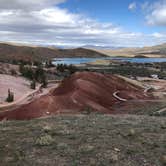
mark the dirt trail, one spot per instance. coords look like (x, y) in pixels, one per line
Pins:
(117, 97)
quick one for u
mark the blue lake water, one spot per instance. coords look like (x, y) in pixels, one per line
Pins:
(76, 61)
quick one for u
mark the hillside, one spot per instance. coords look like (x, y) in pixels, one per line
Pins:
(95, 140)
(10, 52)
(83, 91)
(155, 51)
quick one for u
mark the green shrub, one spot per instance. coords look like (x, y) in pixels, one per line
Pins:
(45, 140)
(87, 111)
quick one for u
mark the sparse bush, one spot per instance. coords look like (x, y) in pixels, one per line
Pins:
(45, 140)
(86, 149)
(38, 75)
(26, 72)
(19, 156)
(13, 72)
(49, 64)
(62, 67)
(131, 132)
(44, 81)
(72, 69)
(87, 111)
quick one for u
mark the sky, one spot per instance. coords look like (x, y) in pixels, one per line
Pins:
(75, 23)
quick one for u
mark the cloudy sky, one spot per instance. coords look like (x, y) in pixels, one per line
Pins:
(75, 23)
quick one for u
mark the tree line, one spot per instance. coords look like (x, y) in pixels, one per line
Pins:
(34, 74)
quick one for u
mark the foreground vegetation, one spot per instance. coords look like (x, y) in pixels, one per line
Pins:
(98, 140)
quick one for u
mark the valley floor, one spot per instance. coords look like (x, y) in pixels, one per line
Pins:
(99, 140)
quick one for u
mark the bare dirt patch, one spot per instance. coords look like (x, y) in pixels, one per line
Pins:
(18, 85)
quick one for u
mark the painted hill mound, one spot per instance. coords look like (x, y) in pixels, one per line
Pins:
(75, 94)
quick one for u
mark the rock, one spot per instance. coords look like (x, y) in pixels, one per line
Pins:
(117, 150)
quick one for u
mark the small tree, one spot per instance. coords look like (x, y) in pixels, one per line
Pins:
(39, 73)
(61, 67)
(10, 97)
(21, 68)
(44, 81)
(13, 72)
(87, 110)
(33, 84)
(72, 69)
(49, 64)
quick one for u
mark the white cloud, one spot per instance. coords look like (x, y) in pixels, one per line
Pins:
(132, 6)
(43, 22)
(28, 4)
(158, 35)
(156, 13)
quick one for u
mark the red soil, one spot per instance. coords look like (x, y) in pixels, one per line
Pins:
(81, 90)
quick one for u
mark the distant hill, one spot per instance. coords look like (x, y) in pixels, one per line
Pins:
(19, 52)
(154, 51)
(101, 47)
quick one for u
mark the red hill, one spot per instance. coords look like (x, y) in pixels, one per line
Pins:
(80, 91)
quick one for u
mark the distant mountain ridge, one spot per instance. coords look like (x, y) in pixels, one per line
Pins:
(14, 51)
(102, 47)
(153, 51)
(9, 52)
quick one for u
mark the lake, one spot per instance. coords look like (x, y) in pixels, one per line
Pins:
(76, 61)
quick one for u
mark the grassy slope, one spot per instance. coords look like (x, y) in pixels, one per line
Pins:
(98, 140)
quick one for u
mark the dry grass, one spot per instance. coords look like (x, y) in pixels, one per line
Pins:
(84, 140)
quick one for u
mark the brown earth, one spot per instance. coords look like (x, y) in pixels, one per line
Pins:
(82, 91)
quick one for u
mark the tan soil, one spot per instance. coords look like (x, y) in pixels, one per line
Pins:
(18, 85)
